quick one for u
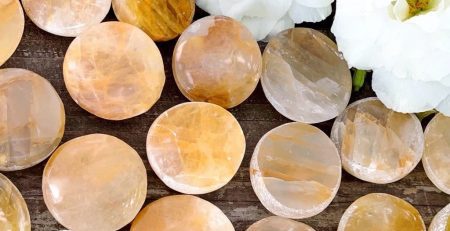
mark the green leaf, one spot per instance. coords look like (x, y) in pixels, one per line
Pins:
(359, 77)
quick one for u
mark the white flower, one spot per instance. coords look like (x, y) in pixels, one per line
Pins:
(264, 17)
(407, 45)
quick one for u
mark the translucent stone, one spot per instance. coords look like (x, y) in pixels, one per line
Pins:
(181, 212)
(436, 157)
(12, 23)
(377, 144)
(295, 170)
(94, 182)
(162, 20)
(217, 60)
(279, 224)
(195, 148)
(66, 17)
(115, 78)
(441, 222)
(14, 214)
(305, 77)
(379, 211)
(32, 119)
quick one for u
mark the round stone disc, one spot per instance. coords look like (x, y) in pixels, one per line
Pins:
(436, 157)
(305, 77)
(162, 20)
(377, 144)
(295, 170)
(32, 119)
(195, 148)
(181, 212)
(379, 211)
(94, 182)
(217, 60)
(441, 222)
(12, 23)
(66, 17)
(275, 223)
(13, 209)
(115, 78)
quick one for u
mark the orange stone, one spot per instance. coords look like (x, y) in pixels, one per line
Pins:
(12, 23)
(275, 223)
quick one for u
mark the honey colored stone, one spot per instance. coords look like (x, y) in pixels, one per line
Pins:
(114, 71)
(14, 214)
(181, 212)
(379, 211)
(195, 148)
(12, 23)
(377, 144)
(66, 17)
(295, 170)
(279, 224)
(162, 20)
(305, 77)
(217, 60)
(94, 182)
(32, 119)
(441, 222)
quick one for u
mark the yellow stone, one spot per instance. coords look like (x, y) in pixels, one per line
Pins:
(217, 60)
(114, 71)
(378, 211)
(94, 182)
(32, 119)
(181, 212)
(14, 214)
(441, 222)
(162, 20)
(275, 223)
(195, 148)
(12, 23)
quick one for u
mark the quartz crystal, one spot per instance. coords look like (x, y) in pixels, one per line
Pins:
(12, 23)
(31, 119)
(217, 60)
(162, 20)
(377, 144)
(441, 222)
(195, 148)
(181, 212)
(279, 224)
(14, 214)
(66, 17)
(379, 211)
(304, 76)
(295, 170)
(94, 182)
(114, 71)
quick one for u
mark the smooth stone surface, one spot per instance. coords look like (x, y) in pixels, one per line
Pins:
(377, 144)
(295, 170)
(436, 156)
(379, 211)
(12, 23)
(115, 78)
(279, 224)
(162, 20)
(181, 212)
(195, 148)
(305, 77)
(66, 17)
(94, 182)
(441, 222)
(217, 60)
(32, 119)
(14, 214)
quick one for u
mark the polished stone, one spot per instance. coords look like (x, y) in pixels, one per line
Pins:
(162, 20)
(377, 144)
(94, 182)
(115, 78)
(441, 222)
(217, 60)
(378, 211)
(181, 212)
(279, 224)
(14, 214)
(295, 170)
(66, 17)
(32, 119)
(436, 156)
(195, 148)
(12, 23)
(305, 77)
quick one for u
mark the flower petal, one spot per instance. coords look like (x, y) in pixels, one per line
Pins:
(301, 13)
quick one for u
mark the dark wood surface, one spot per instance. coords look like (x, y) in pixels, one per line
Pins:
(43, 53)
